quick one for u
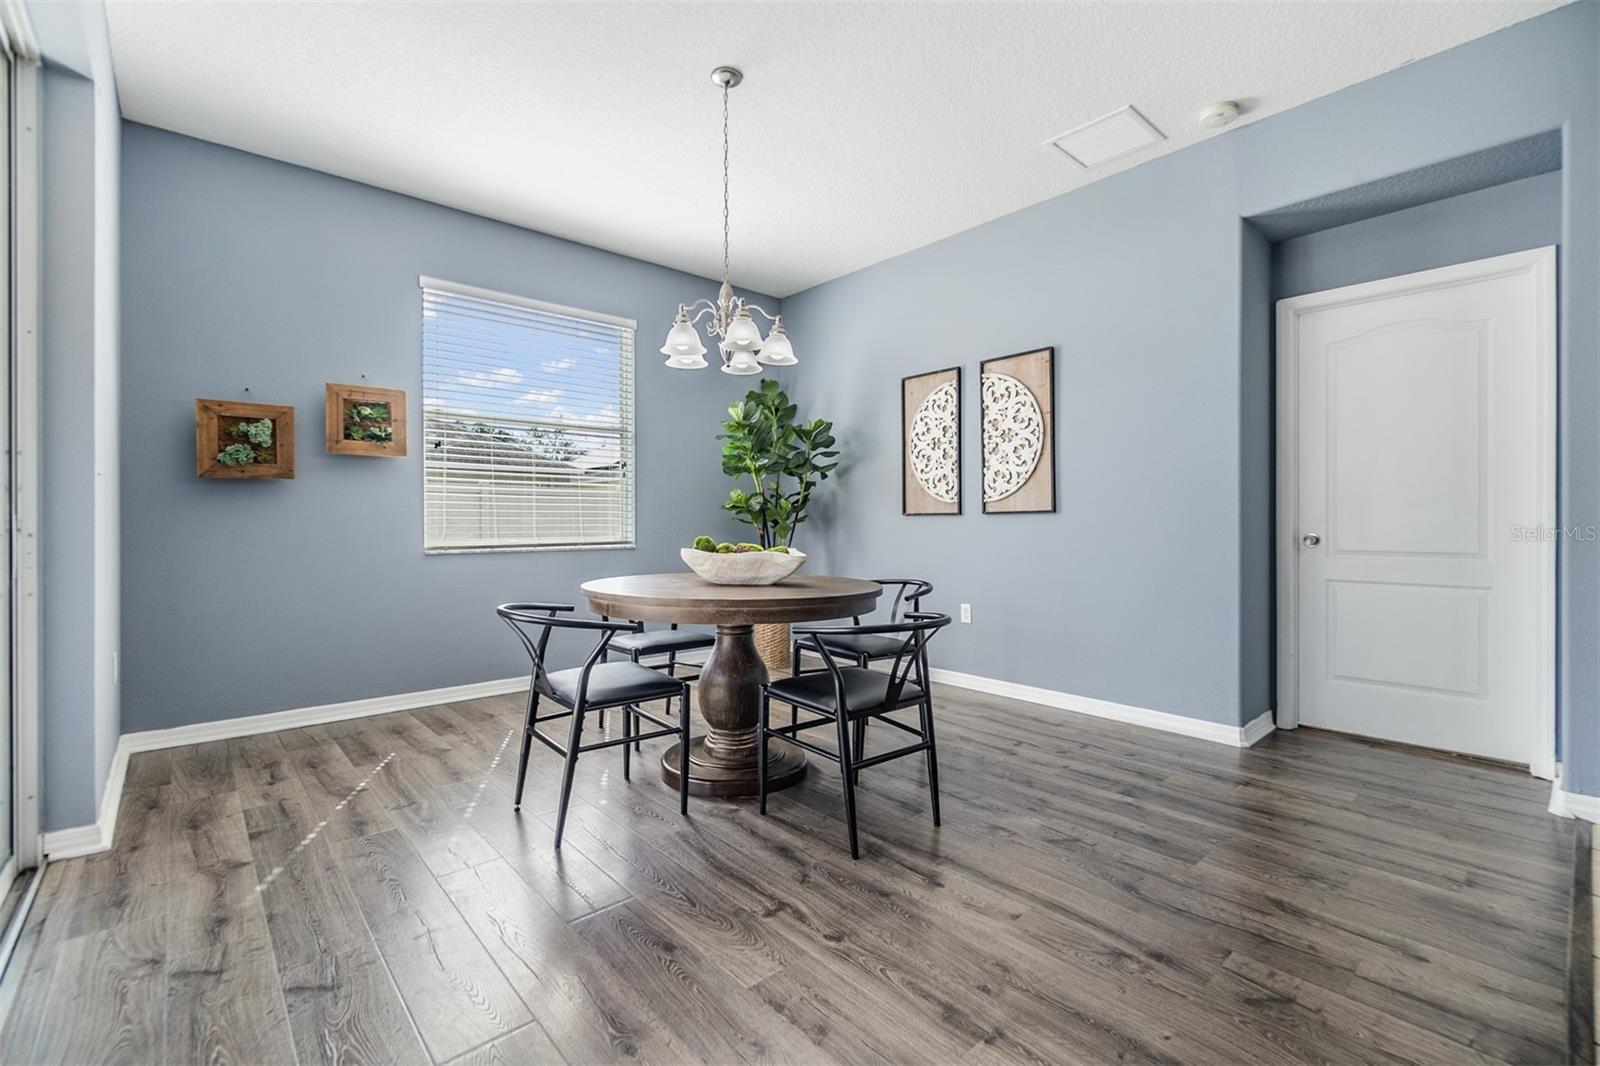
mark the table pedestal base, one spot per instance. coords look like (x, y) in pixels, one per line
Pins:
(786, 765)
(723, 762)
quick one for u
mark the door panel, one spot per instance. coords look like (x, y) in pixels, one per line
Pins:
(1418, 418)
(1362, 614)
(1406, 426)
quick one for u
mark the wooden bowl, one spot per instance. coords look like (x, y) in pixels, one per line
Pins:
(743, 568)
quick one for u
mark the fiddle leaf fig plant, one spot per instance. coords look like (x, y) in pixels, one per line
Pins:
(763, 444)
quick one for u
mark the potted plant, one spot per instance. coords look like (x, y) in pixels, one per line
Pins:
(234, 439)
(779, 462)
(764, 445)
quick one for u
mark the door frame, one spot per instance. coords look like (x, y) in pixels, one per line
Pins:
(25, 502)
(1540, 265)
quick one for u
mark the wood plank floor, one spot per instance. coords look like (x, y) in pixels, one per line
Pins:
(363, 892)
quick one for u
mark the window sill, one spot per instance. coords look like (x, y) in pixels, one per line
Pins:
(620, 546)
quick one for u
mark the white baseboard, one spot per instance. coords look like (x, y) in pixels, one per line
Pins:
(1256, 728)
(1572, 804)
(227, 729)
(89, 839)
(1232, 735)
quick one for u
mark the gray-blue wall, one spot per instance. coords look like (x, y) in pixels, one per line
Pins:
(1257, 522)
(66, 308)
(1146, 587)
(1131, 592)
(1502, 218)
(79, 135)
(240, 597)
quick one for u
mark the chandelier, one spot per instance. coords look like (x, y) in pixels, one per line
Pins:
(739, 339)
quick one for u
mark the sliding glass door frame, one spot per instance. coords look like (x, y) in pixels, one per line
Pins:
(22, 380)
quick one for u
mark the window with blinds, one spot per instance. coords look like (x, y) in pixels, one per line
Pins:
(527, 416)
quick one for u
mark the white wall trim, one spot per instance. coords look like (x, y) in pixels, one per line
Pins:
(16, 30)
(1540, 263)
(1166, 721)
(25, 464)
(1257, 728)
(89, 839)
(227, 729)
(1572, 804)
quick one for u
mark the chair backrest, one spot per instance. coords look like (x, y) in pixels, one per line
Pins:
(908, 593)
(916, 627)
(545, 617)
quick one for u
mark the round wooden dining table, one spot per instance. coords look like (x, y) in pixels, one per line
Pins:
(723, 762)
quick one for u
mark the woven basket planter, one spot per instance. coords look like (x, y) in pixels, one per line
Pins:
(772, 644)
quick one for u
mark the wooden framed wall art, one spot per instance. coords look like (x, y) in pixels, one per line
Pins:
(364, 420)
(1019, 432)
(243, 440)
(930, 443)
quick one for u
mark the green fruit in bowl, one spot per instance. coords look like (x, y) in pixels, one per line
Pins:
(779, 548)
(725, 548)
(704, 544)
(742, 548)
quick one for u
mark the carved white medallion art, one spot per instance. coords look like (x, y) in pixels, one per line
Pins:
(1013, 435)
(932, 447)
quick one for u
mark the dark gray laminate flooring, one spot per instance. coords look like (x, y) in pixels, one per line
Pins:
(1097, 893)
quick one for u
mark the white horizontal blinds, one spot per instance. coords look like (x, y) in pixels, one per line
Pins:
(527, 423)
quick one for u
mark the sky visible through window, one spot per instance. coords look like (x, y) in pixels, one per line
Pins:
(527, 425)
(500, 371)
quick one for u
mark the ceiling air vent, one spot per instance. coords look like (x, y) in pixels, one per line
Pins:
(1107, 137)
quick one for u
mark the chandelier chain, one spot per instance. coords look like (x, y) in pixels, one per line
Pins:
(725, 183)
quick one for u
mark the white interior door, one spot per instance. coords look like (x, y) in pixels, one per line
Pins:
(1420, 507)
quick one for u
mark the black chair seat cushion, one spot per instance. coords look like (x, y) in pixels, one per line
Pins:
(864, 691)
(611, 684)
(660, 641)
(872, 645)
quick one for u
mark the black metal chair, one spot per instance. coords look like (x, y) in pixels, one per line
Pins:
(594, 686)
(860, 647)
(849, 696)
(669, 642)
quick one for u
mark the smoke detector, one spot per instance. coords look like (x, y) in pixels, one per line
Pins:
(1219, 114)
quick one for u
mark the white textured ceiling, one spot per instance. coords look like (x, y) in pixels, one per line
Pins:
(862, 130)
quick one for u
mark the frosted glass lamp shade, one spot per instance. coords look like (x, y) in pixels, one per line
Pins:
(683, 341)
(743, 334)
(741, 363)
(777, 351)
(688, 362)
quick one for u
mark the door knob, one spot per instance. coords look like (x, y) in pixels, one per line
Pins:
(1311, 540)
